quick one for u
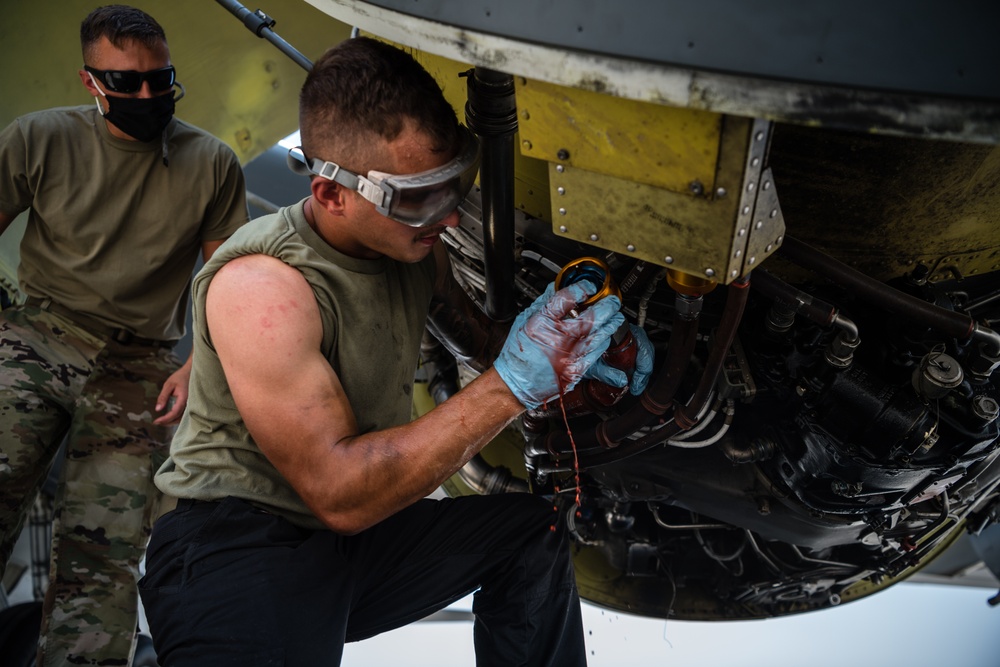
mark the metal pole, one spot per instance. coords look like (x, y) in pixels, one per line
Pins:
(260, 24)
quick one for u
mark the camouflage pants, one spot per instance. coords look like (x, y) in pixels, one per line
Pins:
(59, 380)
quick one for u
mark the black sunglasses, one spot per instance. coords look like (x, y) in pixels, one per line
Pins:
(130, 81)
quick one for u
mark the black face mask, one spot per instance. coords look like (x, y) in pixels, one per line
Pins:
(143, 118)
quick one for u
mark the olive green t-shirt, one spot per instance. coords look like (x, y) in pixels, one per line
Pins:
(113, 233)
(373, 314)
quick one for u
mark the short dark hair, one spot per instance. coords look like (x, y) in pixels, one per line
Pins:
(363, 89)
(120, 24)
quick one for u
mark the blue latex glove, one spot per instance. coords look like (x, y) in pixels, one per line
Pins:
(616, 377)
(548, 350)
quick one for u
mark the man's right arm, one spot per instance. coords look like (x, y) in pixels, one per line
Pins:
(265, 325)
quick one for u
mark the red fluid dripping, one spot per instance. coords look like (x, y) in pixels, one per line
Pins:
(572, 442)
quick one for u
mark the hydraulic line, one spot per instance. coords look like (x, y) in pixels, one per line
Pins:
(951, 323)
(725, 335)
(795, 300)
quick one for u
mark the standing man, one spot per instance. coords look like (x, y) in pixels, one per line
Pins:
(303, 522)
(121, 198)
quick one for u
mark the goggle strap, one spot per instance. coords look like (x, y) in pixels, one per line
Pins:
(332, 172)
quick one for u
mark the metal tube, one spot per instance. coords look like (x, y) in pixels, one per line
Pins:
(260, 24)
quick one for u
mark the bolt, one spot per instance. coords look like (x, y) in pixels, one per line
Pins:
(985, 408)
(563, 154)
(696, 188)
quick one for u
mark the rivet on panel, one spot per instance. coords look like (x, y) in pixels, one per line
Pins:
(754, 162)
(742, 232)
(746, 210)
(759, 136)
(769, 247)
(720, 192)
(733, 273)
(562, 228)
(778, 240)
(526, 145)
(767, 185)
(760, 223)
(696, 188)
(752, 260)
(560, 168)
(738, 254)
(595, 237)
(561, 190)
(668, 259)
(562, 211)
(750, 186)
(774, 213)
(630, 247)
(709, 272)
(562, 154)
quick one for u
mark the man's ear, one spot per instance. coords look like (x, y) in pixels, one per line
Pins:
(88, 83)
(329, 195)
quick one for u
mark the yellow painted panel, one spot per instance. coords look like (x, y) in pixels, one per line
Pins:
(642, 221)
(672, 148)
(240, 87)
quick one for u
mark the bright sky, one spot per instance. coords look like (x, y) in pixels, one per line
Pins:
(908, 625)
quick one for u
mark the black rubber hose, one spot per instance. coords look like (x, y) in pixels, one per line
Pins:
(491, 112)
(950, 323)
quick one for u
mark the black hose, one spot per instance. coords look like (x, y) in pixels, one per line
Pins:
(948, 322)
(491, 112)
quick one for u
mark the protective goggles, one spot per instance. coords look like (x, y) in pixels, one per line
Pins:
(416, 200)
(130, 81)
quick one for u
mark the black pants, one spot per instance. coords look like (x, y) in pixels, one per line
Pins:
(229, 584)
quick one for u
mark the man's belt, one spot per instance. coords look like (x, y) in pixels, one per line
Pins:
(117, 334)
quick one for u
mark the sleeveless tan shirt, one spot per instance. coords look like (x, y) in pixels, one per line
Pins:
(373, 314)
